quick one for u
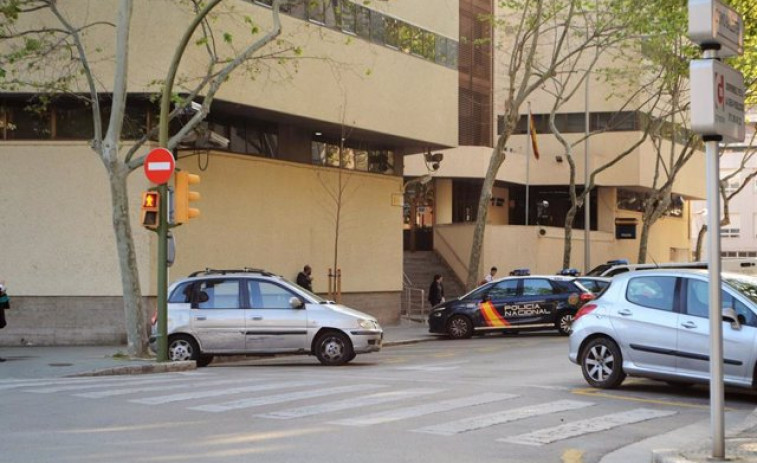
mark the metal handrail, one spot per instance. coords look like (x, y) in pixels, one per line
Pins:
(414, 304)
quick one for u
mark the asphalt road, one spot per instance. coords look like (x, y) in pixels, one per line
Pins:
(489, 399)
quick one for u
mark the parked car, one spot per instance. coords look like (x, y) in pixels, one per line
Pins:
(511, 304)
(594, 284)
(251, 311)
(655, 324)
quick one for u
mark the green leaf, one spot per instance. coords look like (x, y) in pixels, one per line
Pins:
(227, 37)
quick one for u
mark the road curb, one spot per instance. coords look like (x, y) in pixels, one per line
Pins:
(162, 367)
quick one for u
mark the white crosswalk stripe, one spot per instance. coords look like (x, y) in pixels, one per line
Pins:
(505, 416)
(424, 409)
(162, 387)
(164, 399)
(280, 398)
(347, 404)
(98, 384)
(587, 426)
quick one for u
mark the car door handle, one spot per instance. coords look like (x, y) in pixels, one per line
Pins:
(256, 318)
(201, 318)
(689, 324)
(625, 312)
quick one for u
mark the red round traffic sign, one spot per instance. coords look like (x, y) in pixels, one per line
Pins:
(159, 166)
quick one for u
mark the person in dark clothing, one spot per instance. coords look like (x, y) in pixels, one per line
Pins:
(4, 304)
(305, 279)
(436, 291)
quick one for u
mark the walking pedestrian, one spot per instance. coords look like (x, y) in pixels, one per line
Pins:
(4, 304)
(305, 279)
(436, 291)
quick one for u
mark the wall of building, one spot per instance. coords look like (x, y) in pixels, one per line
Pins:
(59, 254)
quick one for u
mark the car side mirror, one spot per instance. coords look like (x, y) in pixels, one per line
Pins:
(730, 315)
(296, 303)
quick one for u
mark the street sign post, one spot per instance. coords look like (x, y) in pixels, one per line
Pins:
(159, 166)
(717, 113)
(719, 106)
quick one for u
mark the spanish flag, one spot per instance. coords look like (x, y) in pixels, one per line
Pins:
(532, 126)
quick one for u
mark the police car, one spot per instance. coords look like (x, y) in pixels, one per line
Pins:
(516, 303)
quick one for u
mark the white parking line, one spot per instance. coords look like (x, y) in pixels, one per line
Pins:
(424, 409)
(505, 416)
(221, 392)
(587, 426)
(346, 404)
(279, 398)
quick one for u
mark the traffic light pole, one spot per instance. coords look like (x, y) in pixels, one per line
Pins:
(162, 289)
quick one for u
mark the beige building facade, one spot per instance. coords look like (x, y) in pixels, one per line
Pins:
(268, 191)
(525, 222)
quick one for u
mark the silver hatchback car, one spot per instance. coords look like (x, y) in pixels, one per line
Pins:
(251, 311)
(655, 324)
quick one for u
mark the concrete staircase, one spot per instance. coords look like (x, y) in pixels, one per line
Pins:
(421, 266)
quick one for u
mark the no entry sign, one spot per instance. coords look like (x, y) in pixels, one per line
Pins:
(159, 166)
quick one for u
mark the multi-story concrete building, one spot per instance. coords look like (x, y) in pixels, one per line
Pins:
(739, 237)
(380, 77)
(521, 231)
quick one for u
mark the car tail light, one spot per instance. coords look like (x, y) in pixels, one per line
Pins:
(154, 318)
(585, 310)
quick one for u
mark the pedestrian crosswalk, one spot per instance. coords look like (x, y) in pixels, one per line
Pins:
(434, 410)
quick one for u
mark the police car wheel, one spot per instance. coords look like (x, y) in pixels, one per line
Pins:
(602, 364)
(564, 323)
(459, 327)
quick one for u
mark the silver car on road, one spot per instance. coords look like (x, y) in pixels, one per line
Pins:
(655, 324)
(251, 311)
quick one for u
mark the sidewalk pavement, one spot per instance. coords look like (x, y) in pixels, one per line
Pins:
(25, 362)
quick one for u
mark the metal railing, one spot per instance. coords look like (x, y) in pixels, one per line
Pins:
(414, 306)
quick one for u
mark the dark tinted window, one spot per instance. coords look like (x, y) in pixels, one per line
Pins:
(503, 289)
(537, 287)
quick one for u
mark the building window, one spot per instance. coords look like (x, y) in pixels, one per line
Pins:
(352, 18)
(733, 183)
(364, 160)
(732, 230)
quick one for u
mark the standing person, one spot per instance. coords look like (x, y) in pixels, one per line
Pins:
(4, 304)
(490, 277)
(305, 279)
(436, 291)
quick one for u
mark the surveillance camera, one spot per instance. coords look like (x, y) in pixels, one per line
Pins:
(218, 139)
(196, 107)
(437, 157)
(435, 166)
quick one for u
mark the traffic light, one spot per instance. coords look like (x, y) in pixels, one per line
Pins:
(182, 197)
(150, 209)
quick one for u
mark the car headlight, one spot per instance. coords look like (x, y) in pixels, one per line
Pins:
(368, 324)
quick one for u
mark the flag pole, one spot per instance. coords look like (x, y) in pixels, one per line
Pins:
(528, 156)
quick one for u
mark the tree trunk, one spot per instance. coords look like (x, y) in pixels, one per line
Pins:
(136, 333)
(570, 216)
(643, 241)
(474, 264)
(700, 240)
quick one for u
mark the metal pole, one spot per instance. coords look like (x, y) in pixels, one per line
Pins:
(587, 200)
(717, 395)
(717, 390)
(162, 341)
(528, 155)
